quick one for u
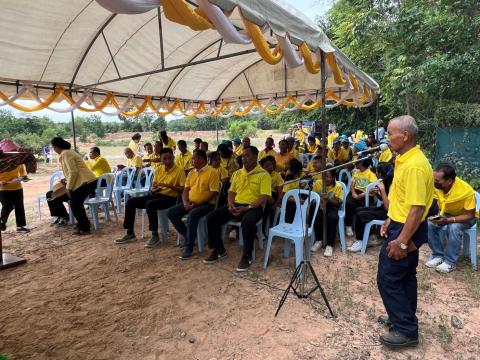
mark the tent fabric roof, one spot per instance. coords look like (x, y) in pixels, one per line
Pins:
(79, 44)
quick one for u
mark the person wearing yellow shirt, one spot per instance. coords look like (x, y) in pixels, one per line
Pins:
(337, 154)
(79, 181)
(132, 160)
(250, 189)
(167, 141)
(300, 135)
(168, 183)
(11, 198)
(283, 157)
(361, 177)
(274, 201)
(456, 202)
(311, 144)
(237, 147)
(332, 136)
(99, 165)
(386, 155)
(293, 176)
(227, 160)
(199, 196)
(135, 143)
(292, 148)
(333, 198)
(184, 158)
(315, 166)
(214, 160)
(405, 229)
(269, 150)
(359, 135)
(154, 159)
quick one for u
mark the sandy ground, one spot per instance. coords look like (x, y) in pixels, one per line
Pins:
(86, 298)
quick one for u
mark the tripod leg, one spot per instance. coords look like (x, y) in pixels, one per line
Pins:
(321, 289)
(287, 290)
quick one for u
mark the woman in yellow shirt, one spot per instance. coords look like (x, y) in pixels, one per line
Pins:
(361, 177)
(135, 143)
(79, 182)
(227, 160)
(11, 197)
(167, 141)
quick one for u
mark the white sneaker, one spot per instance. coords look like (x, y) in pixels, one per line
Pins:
(434, 262)
(356, 246)
(445, 268)
(317, 246)
(348, 231)
(328, 251)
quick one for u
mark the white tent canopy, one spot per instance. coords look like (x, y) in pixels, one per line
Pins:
(175, 55)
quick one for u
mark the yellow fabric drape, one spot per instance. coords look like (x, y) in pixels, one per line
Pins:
(48, 101)
(182, 13)
(312, 67)
(337, 73)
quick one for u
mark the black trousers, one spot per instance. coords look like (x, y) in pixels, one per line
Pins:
(151, 203)
(221, 216)
(363, 215)
(13, 200)
(397, 281)
(332, 223)
(56, 207)
(351, 205)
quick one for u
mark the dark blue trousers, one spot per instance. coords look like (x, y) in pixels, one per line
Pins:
(397, 281)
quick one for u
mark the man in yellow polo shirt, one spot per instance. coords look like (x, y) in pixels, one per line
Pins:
(184, 157)
(456, 202)
(199, 195)
(99, 165)
(168, 183)
(237, 146)
(410, 198)
(283, 157)
(133, 160)
(337, 154)
(269, 150)
(250, 189)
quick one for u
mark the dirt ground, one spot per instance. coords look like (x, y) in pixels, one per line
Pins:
(86, 298)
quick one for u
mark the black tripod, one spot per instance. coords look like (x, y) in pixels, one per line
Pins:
(299, 279)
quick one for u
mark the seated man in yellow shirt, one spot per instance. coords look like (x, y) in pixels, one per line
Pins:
(456, 202)
(199, 196)
(99, 165)
(215, 161)
(184, 157)
(269, 150)
(168, 183)
(311, 144)
(361, 177)
(337, 154)
(132, 160)
(283, 157)
(155, 159)
(250, 189)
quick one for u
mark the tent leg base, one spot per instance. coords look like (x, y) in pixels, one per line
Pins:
(9, 261)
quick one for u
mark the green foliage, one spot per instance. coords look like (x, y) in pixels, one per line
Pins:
(142, 123)
(242, 129)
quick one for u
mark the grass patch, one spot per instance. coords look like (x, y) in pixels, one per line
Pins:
(472, 281)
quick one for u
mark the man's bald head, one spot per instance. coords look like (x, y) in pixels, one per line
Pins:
(402, 133)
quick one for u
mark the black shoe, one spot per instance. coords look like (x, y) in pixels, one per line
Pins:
(22, 229)
(384, 320)
(244, 264)
(187, 254)
(394, 339)
(222, 254)
(213, 257)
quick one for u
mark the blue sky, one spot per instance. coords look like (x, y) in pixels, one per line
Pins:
(311, 8)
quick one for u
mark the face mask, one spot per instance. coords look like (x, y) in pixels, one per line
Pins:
(438, 185)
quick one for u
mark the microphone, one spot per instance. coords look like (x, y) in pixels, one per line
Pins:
(381, 147)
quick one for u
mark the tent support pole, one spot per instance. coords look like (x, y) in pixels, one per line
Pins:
(377, 117)
(324, 139)
(160, 32)
(74, 133)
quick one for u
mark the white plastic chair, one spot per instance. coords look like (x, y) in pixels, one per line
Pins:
(140, 190)
(470, 243)
(162, 222)
(345, 172)
(306, 158)
(341, 218)
(118, 188)
(103, 197)
(368, 226)
(294, 232)
(56, 176)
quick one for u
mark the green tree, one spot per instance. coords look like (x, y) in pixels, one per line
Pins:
(241, 129)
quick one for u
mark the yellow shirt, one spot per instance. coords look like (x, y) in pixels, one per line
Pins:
(300, 135)
(295, 154)
(99, 166)
(277, 180)
(362, 178)
(154, 156)
(412, 185)
(311, 148)
(264, 153)
(170, 144)
(11, 175)
(331, 137)
(249, 186)
(458, 200)
(135, 161)
(358, 135)
(228, 164)
(385, 156)
(238, 151)
(222, 172)
(333, 191)
(201, 182)
(184, 160)
(134, 146)
(341, 155)
(292, 186)
(175, 177)
(283, 160)
(74, 169)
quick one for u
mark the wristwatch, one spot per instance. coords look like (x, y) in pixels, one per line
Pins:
(402, 245)
(250, 207)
